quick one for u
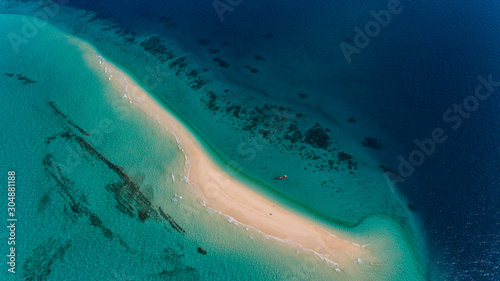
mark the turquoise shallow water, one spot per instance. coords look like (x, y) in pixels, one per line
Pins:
(269, 55)
(80, 153)
(68, 224)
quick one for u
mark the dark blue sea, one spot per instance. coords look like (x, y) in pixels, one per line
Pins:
(434, 68)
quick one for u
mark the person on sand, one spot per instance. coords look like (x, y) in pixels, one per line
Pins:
(282, 177)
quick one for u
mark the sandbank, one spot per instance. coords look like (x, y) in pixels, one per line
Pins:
(224, 193)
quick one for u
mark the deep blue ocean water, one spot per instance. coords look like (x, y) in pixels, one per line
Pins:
(428, 58)
(431, 62)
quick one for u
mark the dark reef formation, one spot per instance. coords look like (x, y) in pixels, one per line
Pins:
(204, 42)
(57, 112)
(156, 47)
(259, 58)
(274, 124)
(179, 64)
(293, 134)
(221, 62)
(171, 221)
(21, 77)
(411, 207)
(253, 70)
(236, 109)
(213, 51)
(371, 143)
(125, 192)
(317, 137)
(130, 200)
(176, 270)
(78, 203)
(201, 251)
(211, 101)
(38, 265)
(344, 157)
(178, 273)
(43, 202)
(303, 95)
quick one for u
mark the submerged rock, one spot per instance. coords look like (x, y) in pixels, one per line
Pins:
(371, 143)
(317, 137)
(204, 42)
(221, 62)
(201, 251)
(303, 95)
(213, 51)
(259, 57)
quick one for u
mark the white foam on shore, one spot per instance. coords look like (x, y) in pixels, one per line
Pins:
(284, 241)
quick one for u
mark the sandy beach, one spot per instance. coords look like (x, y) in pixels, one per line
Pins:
(225, 194)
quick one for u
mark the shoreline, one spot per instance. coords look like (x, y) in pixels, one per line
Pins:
(226, 195)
